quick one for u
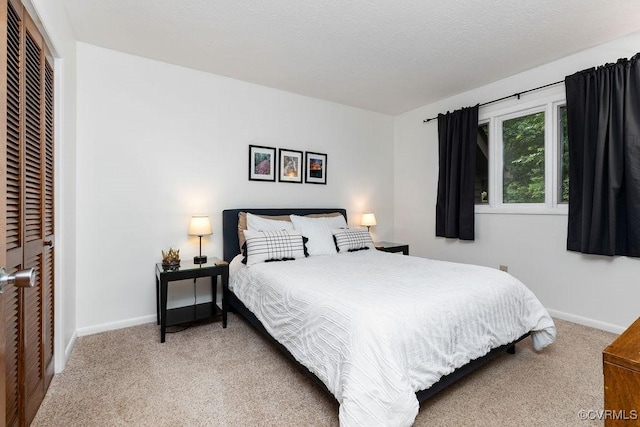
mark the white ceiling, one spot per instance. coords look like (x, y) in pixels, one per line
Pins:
(388, 56)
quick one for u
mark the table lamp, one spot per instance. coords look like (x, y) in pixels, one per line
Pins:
(200, 226)
(368, 219)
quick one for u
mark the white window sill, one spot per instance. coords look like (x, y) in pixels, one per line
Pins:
(523, 209)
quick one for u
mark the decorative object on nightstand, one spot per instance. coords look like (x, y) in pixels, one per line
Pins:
(200, 226)
(171, 259)
(392, 247)
(368, 219)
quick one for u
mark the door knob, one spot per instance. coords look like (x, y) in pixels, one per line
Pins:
(22, 279)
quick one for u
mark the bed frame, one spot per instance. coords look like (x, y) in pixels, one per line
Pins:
(230, 302)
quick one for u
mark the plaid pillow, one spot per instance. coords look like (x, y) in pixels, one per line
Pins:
(352, 239)
(272, 245)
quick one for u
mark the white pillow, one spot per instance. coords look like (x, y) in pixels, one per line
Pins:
(318, 231)
(258, 223)
(352, 239)
(273, 245)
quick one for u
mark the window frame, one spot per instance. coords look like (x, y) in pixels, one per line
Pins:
(495, 116)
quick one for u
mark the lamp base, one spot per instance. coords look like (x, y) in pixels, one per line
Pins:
(201, 259)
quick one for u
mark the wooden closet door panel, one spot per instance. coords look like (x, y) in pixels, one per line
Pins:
(3, 199)
(12, 298)
(33, 219)
(48, 271)
(33, 351)
(14, 118)
(12, 355)
(27, 184)
(33, 180)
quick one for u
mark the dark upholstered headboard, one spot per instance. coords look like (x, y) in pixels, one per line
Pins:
(230, 243)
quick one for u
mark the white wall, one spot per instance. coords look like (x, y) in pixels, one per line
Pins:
(57, 30)
(597, 291)
(158, 143)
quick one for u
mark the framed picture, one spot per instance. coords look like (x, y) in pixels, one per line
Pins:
(262, 163)
(290, 165)
(316, 167)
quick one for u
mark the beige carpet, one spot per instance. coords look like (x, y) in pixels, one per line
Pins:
(207, 375)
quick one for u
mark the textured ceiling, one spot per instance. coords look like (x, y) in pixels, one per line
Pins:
(388, 56)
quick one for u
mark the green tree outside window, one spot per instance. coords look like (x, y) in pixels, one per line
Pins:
(523, 145)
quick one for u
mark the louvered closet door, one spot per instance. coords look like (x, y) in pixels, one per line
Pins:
(7, 81)
(12, 296)
(28, 313)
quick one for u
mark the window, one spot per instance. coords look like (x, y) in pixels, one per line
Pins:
(522, 162)
(523, 159)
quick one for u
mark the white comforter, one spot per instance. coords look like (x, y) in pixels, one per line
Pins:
(377, 327)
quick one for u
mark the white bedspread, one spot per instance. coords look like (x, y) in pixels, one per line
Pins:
(377, 327)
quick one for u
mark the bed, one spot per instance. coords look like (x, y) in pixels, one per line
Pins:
(371, 328)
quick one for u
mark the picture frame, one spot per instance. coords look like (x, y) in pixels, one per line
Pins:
(290, 166)
(315, 167)
(262, 163)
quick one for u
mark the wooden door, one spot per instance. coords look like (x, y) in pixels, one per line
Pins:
(28, 197)
(3, 202)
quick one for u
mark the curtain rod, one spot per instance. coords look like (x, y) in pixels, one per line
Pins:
(517, 95)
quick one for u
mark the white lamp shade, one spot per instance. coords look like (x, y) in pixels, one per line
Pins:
(200, 226)
(368, 219)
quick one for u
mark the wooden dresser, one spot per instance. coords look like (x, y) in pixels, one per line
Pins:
(621, 368)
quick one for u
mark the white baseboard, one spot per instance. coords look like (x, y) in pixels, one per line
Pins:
(104, 327)
(61, 364)
(70, 346)
(586, 321)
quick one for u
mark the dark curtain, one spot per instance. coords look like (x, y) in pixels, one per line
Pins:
(603, 124)
(457, 139)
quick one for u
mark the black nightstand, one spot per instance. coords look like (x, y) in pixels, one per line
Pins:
(188, 270)
(392, 247)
